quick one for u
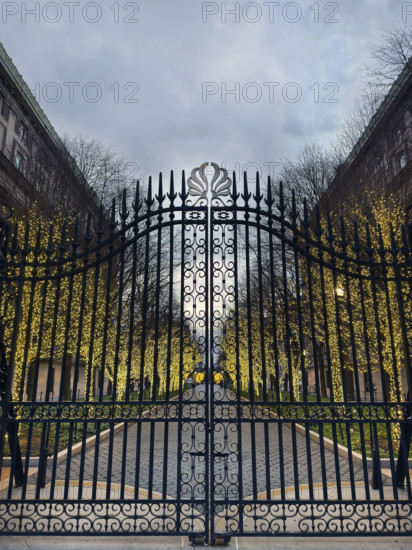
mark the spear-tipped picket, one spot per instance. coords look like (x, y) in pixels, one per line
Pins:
(14, 241)
(294, 212)
(172, 195)
(306, 221)
(100, 229)
(76, 240)
(318, 225)
(183, 195)
(88, 233)
(405, 243)
(113, 217)
(160, 195)
(137, 204)
(124, 214)
(149, 199)
(330, 236)
(368, 248)
(343, 241)
(381, 248)
(246, 195)
(26, 248)
(258, 196)
(63, 243)
(281, 205)
(356, 243)
(235, 195)
(394, 243)
(269, 198)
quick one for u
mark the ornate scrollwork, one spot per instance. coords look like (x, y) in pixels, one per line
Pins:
(219, 186)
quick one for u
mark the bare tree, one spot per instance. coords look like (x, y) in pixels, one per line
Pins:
(389, 58)
(309, 175)
(105, 170)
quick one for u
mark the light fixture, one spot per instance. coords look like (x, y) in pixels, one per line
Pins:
(339, 292)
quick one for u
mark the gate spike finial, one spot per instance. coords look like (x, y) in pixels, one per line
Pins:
(149, 190)
(246, 195)
(356, 245)
(380, 240)
(294, 213)
(100, 230)
(76, 241)
(269, 198)
(281, 205)
(394, 244)
(87, 235)
(137, 204)
(124, 214)
(183, 195)
(235, 194)
(342, 232)
(369, 248)
(172, 195)
(306, 221)
(160, 197)
(258, 197)
(113, 216)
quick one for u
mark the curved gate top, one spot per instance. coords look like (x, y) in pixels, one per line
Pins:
(216, 362)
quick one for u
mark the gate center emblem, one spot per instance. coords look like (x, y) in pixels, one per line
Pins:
(206, 187)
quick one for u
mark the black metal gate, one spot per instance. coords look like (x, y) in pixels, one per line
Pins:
(214, 364)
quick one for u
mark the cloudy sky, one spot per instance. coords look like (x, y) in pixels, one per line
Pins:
(173, 83)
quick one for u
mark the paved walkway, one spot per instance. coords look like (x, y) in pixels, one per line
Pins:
(139, 458)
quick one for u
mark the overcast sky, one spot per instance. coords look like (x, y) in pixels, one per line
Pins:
(153, 78)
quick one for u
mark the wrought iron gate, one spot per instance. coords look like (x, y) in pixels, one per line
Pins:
(216, 363)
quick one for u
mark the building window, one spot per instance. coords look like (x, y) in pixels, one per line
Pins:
(401, 161)
(5, 110)
(18, 161)
(22, 132)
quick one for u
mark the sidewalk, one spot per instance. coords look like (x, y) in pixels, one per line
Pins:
(179, 543)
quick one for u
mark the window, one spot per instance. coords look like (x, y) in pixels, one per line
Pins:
(5, 109)
(18, 161)
(22, 131)
(401, 161)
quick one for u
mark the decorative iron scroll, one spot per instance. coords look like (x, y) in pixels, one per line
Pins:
(198, 184)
